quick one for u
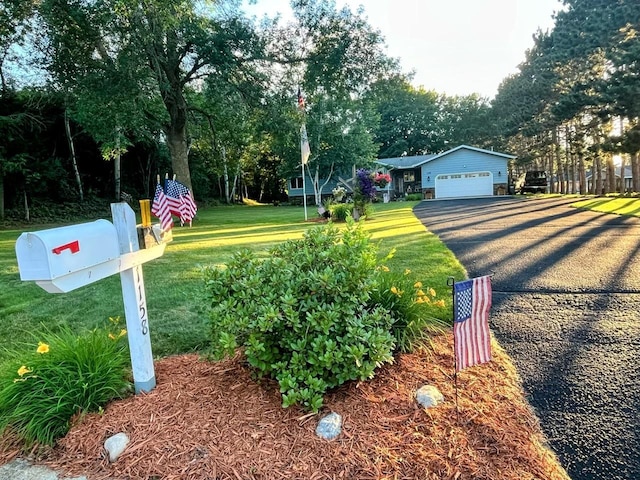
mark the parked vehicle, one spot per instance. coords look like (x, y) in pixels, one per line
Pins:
(534, 181)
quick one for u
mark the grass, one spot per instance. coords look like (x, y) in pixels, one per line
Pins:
(175, 294)
(617, 205)
(66, 375)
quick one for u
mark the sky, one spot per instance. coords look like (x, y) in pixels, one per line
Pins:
(457, 47)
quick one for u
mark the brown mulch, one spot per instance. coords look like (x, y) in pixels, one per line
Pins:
(214, 421)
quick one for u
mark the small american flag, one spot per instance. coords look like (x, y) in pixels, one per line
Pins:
(160, 209)
(471, 337)
(180, 201)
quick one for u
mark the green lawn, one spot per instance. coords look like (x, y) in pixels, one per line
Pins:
(175, 300)
(617, 205)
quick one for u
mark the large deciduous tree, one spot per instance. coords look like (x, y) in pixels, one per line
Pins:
(150, 49)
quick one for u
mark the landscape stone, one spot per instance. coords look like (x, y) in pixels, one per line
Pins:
(429, 396)
(330, 426)
(115, 445)
(20, 469)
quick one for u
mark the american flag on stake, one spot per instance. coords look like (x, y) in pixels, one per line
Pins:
(471, 337)
(160, 208)
(180, 201)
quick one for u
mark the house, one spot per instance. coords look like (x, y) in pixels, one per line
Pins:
(628, 180)
(463, 171)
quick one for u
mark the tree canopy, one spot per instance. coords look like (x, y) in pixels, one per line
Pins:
(197, 89)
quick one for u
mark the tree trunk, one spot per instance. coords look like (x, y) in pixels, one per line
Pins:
(558, 161)
(598, 168)
(227, 193)
(176, 132)
(552, 183)
(116, 174)
(583, 174)
(27, 214)
(1, 195)
(72, 153)
(635, 172)
(611, 175)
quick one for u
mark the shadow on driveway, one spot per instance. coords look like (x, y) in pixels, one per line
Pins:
(567, 310)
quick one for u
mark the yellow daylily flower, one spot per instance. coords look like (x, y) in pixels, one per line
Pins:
(440, 303)
(112, 336)
(432, 292)
(384, 268)
(42, 348)
(417, 285)
(420, 293)
(122, 333)
(420, 300)
(395, 291)
(407, 271)
(24, 370)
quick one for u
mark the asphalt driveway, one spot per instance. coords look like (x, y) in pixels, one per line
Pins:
(566, 307)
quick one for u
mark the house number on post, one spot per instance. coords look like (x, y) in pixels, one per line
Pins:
(142, 302)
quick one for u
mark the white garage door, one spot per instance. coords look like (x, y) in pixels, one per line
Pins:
(464, 185)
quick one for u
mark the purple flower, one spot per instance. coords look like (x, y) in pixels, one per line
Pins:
(365, 183)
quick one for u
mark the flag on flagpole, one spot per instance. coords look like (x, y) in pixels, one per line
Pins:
(160, 208)
(471, 337)
(305, 150)
(180, 201)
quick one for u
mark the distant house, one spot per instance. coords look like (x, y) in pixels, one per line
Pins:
(294, 186)
(628, 181)
(463, 171)
(460, 172)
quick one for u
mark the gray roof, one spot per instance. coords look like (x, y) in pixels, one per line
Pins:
(417, 160)
(627, 172)
(405, 162)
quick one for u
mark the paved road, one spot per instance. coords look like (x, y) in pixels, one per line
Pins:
(566, 307)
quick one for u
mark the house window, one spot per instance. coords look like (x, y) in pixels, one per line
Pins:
(409, 176)
(296, 182)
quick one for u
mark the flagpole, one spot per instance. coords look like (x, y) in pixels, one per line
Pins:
(304, 192)
(451, 283)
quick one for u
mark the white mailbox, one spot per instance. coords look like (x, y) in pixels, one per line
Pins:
(63, 259)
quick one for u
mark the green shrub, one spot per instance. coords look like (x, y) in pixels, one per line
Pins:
(303, 315)
(415, 310)
(413, 197)
(42, 388)
(340, 211)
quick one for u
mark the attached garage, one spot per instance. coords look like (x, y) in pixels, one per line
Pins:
(461, 172)
(457, 185)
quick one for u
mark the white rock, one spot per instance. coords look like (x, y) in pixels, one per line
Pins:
(115, 445)
(429, 396)
(330, 426)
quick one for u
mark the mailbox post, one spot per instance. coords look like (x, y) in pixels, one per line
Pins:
(135, 301)
(62, 259)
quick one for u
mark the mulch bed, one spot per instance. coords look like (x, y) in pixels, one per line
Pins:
(214, 421)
